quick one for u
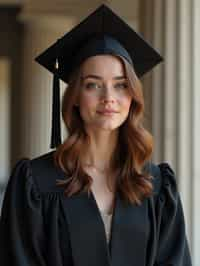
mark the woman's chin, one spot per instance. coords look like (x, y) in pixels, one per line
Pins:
(107, 127)
(104, 125)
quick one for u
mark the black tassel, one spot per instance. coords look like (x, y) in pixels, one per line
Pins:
(56, 124)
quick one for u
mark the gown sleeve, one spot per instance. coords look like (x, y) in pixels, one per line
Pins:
(21, 224)
(172, 247)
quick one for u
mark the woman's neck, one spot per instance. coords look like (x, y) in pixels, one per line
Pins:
(101, 148)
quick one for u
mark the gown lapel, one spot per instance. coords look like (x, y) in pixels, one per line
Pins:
(129, 235)
(129, 232)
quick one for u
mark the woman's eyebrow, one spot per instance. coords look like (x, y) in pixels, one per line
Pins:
(100, 78)
(120, 77)
(91, 76)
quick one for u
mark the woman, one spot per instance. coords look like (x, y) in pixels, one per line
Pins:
(97, 199)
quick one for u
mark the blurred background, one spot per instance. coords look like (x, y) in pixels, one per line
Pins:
(171, 90)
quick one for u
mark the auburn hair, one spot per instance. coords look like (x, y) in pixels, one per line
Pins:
(133, 150)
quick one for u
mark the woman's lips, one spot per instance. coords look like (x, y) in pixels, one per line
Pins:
(107, 112)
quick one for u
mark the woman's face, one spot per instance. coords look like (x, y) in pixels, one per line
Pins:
(104, 96)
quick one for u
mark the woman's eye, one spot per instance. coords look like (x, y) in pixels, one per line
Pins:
(91, 85)
(122, 85)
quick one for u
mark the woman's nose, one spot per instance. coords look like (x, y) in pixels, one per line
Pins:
(105, 101)
(107, 95)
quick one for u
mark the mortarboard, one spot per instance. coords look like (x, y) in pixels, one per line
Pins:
(102, 32)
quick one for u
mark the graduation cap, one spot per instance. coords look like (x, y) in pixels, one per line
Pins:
(102, 32)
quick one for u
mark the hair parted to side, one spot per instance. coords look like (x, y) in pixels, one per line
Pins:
(133, 150)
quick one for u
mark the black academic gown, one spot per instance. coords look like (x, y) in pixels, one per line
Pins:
(40, 227)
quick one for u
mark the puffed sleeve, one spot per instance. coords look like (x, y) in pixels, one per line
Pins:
(21, 224)
(172, 247)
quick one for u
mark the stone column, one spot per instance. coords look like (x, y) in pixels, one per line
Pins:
(164, 81)
(175, 101)
(184, 109)
(195, 92)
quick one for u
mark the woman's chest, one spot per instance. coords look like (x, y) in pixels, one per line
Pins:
(104, 198)
(103, 195)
